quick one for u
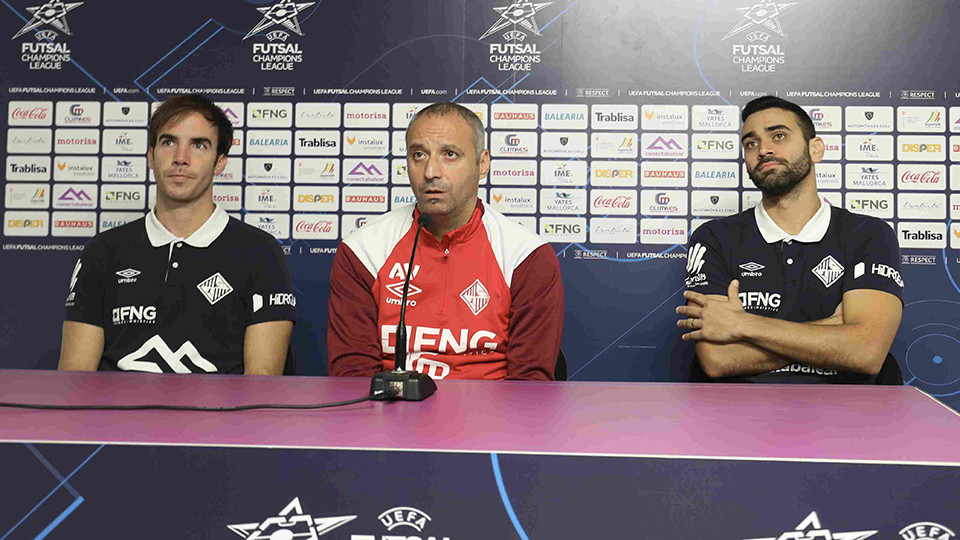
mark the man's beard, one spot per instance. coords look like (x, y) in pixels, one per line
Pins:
(778, 183)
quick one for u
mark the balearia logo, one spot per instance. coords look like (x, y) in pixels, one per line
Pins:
(810, 528)
(926, 530)
(276, 54)
(513, 54)
(46, 53)
(755, 53)
(291, 522)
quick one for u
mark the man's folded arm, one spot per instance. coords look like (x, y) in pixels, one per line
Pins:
(81, 347)
(353, 346)
(536, 316)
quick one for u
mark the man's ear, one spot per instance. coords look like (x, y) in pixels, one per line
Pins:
(484, 164)
(150, 159)
(817, 149)
(220, 165)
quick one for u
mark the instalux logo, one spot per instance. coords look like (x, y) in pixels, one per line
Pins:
(757, 55)
(291, 522)
(513, 54)
(276, 54)
(46, 54)
(810, 529)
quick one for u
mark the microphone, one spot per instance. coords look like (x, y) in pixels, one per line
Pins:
(399, 383)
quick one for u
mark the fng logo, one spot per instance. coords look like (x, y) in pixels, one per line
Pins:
(760, 300)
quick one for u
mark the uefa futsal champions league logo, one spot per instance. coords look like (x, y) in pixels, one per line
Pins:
(513, 54)
(757, 24)
(276, 54)
(47, 21)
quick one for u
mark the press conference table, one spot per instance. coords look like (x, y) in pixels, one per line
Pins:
(479, 459)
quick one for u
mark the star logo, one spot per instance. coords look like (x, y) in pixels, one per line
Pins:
(810, 529)
(53, 13)
(283, 13)
(517, 13)
(765, 14)
(290, 523)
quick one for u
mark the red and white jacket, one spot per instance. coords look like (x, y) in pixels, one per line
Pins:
(485, 301)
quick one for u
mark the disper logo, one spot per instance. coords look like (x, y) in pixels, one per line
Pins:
(810, 529)
(276, 54)
(45, 54)
(291, 522)
(513, 54)
(402, 518)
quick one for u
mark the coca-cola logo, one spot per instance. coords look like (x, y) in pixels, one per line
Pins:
(620, 201)
(36, 113)
(921, 177)
(314, 226)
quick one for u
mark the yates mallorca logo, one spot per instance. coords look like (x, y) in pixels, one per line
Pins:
(513, 54)
(291, 522)
(810, 528)
(46, 53)
(276, 54)
(756, 55)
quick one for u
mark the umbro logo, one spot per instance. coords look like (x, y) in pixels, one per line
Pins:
(751, 269)
(128, 276)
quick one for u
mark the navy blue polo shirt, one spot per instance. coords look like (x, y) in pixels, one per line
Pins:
(797, 278)
(180, 305)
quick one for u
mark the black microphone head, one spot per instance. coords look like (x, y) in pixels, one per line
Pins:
(425, 220)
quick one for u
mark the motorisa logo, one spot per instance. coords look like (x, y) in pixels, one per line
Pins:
(714, 174)
(663, 203)
(513, 172)
(317, 115)
(267, 198)
(613, 173)
(316, 226)
(555, 144)
(870, 147)
(810, 526)
(613, 145)
(74, 196)
(869, 176)
(278, 52)
(714, 203)
(664, 145)
(28, 141)
(316, 171)
(268, 142)
(403, 113)
(277, 225)
(663, 174)
(829, 176)
(123, 141)
(926, 530)
(754, 39)
(365, 199)
(317, 142)
(365, 171)
(27, 196)
(562, 173)
(366, 143)
(663, 231)
(613, 201)
(870, 119)
(878, 205)
(922, 177)
(922, 235)
(25, 223)
(269, 115)
(563, 116)
(563, 201)
(563, 229)
(366, 115)
(47, 22)
(28, 168)
(514, 200)
(715, 146)
(716, 117)
(664, 117)
(401, 196)
(604, 230)
(921, 148)
(268, 170)
(110, 220)
(615, 117)
(230, 198)
(922, 206)
(29, 113)
(513, 144)
(78, 113)
(513, 116)
(517, 21)
(825, 118)
(73, 224)
(124, 169)
(122, 197)
(921, 119)
(316, 199)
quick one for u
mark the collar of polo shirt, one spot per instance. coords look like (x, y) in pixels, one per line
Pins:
(813, 231)
(201, 238)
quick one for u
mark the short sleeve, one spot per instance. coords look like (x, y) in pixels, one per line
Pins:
(873, 260)
(707, 271)
(85, 297)
(272, 297)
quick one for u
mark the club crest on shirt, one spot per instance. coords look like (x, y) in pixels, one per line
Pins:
(476, 297)
(214, 288)
(828, 271)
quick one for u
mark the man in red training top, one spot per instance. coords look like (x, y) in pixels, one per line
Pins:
(485, 298)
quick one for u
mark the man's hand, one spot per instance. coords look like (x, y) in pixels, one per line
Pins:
(713, 320)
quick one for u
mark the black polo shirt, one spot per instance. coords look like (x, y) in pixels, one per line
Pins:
(181, 305)
(798, 278)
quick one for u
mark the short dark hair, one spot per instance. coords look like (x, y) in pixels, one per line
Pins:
(176, 108)
(444, 108)
(773, 102)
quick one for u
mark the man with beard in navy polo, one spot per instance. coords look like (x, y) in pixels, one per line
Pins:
(793, 290)
(188, 289)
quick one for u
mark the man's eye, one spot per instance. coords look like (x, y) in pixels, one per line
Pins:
(451, 154)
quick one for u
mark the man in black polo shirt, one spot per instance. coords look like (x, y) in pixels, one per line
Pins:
(792, 290)
(187, 289)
